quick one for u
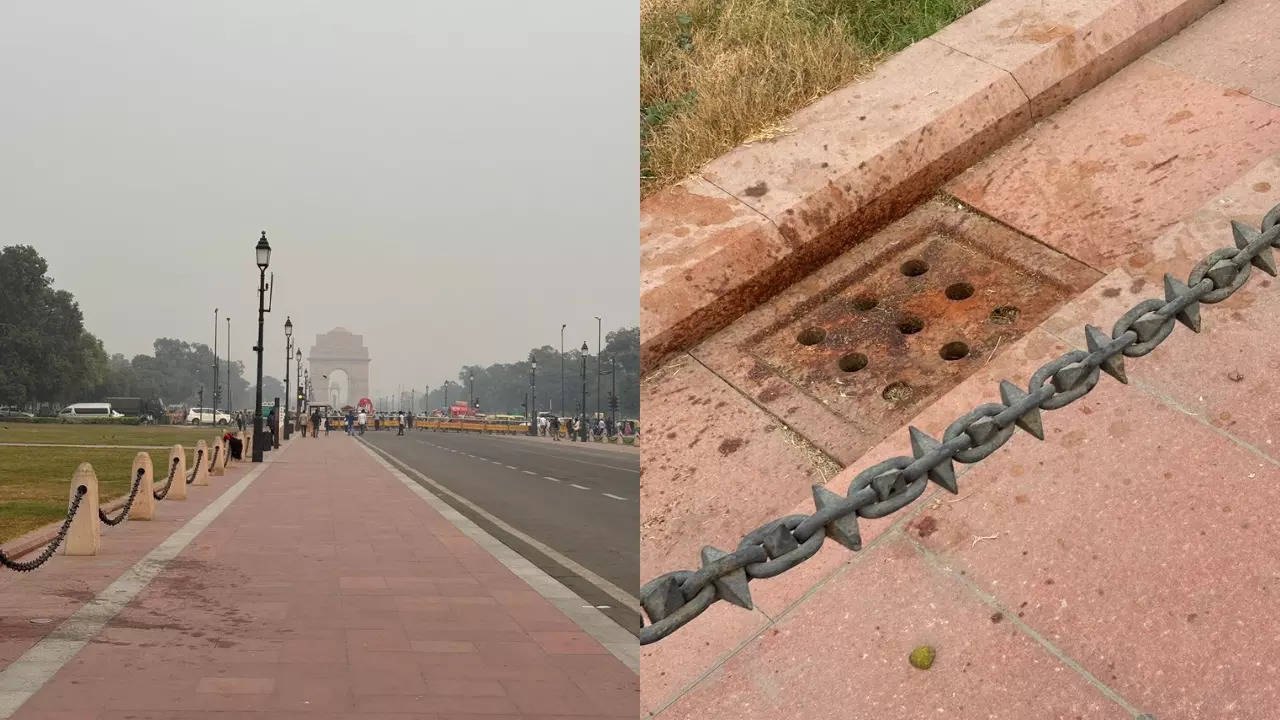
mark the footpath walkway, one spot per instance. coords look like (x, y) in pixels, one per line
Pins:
(322, 586)
(1124, 565)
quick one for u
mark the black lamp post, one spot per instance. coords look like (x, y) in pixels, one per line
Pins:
(297, 415)
(472, 390)
(230, 397)
(533, 394)
(599, 324)
(562, 327)
(582, 435)
(445, 385)
(263, 253)
(288, 360)
(216, 395)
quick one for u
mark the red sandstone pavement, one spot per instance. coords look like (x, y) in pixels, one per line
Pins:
(327, 589)
(1126, 564)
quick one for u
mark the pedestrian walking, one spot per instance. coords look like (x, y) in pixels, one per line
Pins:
(351, 422)
(315, 424)
(362, 420)
(553, 426)
(400, 424)
(240, 420)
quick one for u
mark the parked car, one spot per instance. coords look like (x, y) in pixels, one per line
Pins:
(207, 416)
(88, 410)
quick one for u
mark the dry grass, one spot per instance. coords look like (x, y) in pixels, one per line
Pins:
(715, 73)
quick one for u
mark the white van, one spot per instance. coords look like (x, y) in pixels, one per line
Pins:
(89, 410)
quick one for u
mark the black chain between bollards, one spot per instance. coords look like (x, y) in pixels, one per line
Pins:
(213, 457)
(162, 492)
(54, 543)
(672, 600)
(195, 467)
(124, 511)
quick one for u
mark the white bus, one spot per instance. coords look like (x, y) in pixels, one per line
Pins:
(89, 410)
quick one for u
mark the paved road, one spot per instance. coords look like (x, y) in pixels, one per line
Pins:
(579, 501)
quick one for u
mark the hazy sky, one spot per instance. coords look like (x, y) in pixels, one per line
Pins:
(453, 180)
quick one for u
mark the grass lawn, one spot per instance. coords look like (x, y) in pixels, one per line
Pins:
(35, 482)
(717, 73)
(73, 434)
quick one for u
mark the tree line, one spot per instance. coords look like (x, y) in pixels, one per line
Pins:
(505, 387)
(48, 358)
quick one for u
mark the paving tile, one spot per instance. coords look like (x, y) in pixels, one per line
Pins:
(715, 467)
(1230, 47)
(863, 625)
(1056, 51)
(1131, 540)
(1104, 177)
(261, 631)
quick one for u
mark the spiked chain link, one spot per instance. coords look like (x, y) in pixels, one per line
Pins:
(674, 599)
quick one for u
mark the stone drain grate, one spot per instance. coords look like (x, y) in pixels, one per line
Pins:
(888, 327)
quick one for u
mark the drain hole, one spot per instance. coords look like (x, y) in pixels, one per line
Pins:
(910, 325)
(1005, 315)
(954, 350)
(959, 291)
(863, 303)
(853, 362)
(811, 336)
(897, 392)
(912, 268)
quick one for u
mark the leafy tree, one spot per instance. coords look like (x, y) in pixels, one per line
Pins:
(45, 352)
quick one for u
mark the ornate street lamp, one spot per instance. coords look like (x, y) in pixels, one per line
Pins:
(297, 415)
(533, 394)
(262, 251)
(288, 359)
(583, 433)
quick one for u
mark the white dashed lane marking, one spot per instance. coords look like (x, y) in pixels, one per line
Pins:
(526, 472)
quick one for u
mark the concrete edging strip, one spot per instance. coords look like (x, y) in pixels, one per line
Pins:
(25, 676)
(622, 644)
(762, 216)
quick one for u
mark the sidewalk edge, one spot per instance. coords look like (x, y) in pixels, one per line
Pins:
(24, 677)
(616, 639)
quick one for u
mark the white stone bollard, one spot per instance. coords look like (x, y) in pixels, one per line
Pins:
(217, 461)
(84, 536)
(201, 459)
(178, 490)
(144, 503)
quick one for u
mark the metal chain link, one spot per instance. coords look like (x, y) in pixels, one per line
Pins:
(195, 467)
(672, 600)
(54, 543)
(124, 511)
(162, 492)
(213, 457)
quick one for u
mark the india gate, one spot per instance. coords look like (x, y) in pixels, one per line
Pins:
(339, 368)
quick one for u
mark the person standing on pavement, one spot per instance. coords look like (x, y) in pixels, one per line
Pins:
(400, 424)
(315, 423)
(362, 420)
(271, 425)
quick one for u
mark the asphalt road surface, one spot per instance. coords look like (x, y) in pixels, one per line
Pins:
(580, 502)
